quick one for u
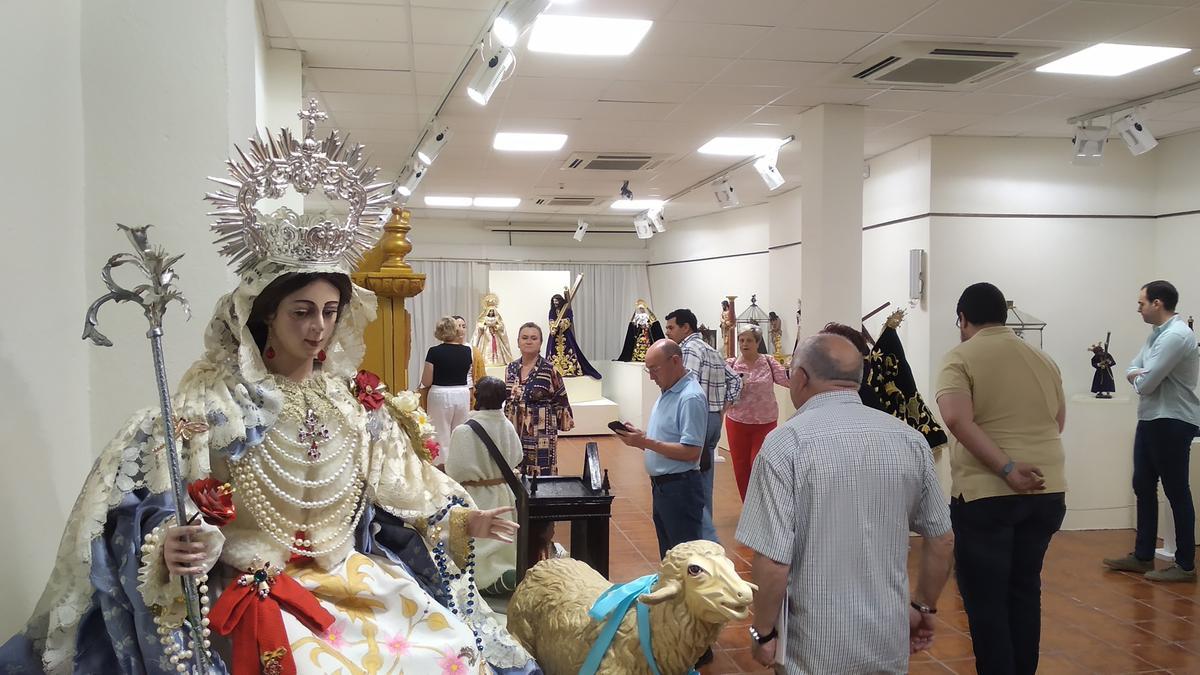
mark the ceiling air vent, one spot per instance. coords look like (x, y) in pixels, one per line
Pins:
(566, 201)
(932, 65)
(613, 161)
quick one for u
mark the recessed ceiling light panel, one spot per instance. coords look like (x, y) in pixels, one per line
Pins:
(443, 201)
(587, 35)
(1111, 60)
(737, 146)
(519, 142)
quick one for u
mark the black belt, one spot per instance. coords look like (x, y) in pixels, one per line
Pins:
(668, 477)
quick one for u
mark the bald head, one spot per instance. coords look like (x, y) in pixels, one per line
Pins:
(667, 348)
(664, 362)
(831, 362)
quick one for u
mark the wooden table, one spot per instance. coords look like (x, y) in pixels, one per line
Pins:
(582, 500)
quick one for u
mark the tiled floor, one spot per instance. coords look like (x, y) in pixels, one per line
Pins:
(1092, 621)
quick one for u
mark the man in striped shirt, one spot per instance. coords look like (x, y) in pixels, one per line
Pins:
(833, 495)
(721, 386)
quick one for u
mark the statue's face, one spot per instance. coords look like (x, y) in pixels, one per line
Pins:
(303, 322)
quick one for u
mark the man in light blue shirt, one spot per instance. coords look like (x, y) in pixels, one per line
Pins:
(1164, 375)
(671, 447)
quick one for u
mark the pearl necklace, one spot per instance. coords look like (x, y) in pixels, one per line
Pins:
(305, 460)
(281, 529)
(294, 480)
(308, 406)
(292, 499)
(260, 503)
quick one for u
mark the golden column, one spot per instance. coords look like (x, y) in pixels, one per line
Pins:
(384, 271)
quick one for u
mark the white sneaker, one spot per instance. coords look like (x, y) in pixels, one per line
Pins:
(719, 458)
(560, 551)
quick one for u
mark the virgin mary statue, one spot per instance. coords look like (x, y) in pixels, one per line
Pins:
(320, 539)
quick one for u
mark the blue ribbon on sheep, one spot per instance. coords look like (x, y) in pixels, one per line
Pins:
(612, 605)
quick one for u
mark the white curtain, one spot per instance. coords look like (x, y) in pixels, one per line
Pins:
(604, 304)
(450, 288)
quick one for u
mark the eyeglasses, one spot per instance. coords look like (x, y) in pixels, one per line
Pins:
(958, 322)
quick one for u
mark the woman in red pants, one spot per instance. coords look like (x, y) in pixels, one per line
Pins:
(749, 420)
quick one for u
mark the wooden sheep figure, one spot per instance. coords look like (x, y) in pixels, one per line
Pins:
(697, 593)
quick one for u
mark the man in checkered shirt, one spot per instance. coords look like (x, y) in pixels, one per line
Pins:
(833, 495)
(721, 386)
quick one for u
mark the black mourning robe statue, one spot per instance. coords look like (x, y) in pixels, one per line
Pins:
(892, 382)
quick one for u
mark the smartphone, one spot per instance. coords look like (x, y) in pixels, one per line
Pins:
(618, 426)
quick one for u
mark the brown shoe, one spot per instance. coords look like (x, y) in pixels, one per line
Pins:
(1172, 573)
(1129, 563)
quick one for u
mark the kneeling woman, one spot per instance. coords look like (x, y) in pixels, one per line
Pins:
(334, 507)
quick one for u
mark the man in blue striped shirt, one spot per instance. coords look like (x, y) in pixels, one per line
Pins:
(1164, 375)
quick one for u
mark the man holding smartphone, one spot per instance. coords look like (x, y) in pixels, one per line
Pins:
(671, 446)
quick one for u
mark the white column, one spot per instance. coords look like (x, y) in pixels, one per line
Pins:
(831, 160)
(167, 89)
(44, 385)
(784, 256)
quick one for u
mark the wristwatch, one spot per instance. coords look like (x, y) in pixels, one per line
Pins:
(924, 609)
(764, 639)
(1007, 469)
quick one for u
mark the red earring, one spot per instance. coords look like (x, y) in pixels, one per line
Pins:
(321, 356)
(270, 353)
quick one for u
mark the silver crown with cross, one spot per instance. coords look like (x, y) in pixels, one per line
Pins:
(248, 237)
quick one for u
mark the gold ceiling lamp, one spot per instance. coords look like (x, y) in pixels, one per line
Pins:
(384, 271)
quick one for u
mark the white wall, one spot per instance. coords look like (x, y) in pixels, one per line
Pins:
(700, 284)
(1177, 238)
(45, 383)
(1079, 274)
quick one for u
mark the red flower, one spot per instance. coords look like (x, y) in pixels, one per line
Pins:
(214, 499)
(433, 448)
(369, 389)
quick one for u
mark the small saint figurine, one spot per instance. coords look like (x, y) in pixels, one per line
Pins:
(491, 339)
(728, 329)
(776, 333)
(1103, 384)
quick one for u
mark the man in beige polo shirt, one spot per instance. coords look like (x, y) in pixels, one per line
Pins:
(1002, 399)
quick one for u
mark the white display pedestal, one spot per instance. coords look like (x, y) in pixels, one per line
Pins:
(1098, 440)
(628, 384)
(1166, 520)
(591, 410)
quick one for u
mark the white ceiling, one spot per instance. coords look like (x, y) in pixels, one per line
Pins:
(706, 68)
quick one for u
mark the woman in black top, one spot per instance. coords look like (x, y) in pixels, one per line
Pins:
(447, 367)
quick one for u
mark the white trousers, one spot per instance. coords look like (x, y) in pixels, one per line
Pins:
(448, 408)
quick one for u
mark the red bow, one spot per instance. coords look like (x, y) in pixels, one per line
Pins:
(260, 643)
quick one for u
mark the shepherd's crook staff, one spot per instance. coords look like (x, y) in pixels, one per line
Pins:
(153, 297)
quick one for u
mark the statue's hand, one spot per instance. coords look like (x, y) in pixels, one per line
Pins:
(490, 525)
(192, 549)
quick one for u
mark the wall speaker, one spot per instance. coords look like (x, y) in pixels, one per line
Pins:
(916, 273)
